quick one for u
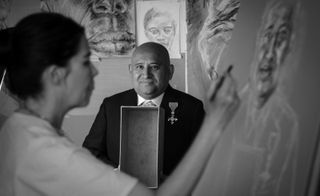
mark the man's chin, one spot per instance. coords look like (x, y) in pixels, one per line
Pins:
(147, 93)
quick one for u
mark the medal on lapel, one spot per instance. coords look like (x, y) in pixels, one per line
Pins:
(173, 106)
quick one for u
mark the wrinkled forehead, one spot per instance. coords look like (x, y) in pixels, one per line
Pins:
(161, 18)
(279, 15)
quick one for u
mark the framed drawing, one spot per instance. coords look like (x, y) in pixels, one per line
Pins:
(110, 25)
(158, 21)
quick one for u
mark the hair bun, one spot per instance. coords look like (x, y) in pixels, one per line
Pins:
(5, 47)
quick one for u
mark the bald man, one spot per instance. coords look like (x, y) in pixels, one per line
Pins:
(150, 71)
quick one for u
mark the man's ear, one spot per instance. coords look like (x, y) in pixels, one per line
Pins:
(130, 68)
(171, 70)
(56, 74)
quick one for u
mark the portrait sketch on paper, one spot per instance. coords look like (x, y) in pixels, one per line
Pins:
(215, 34)
(210, 25)
(158, 21)
(109, 24)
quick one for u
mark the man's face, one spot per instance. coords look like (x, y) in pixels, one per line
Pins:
(150, 74)
(111, 27)
(161, 29)
(273, 49)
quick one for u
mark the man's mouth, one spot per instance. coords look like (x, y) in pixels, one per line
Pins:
(265, 71)
(112, 36)
(112, 43)
(146, 81)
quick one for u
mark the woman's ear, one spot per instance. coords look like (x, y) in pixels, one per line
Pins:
(55, 74)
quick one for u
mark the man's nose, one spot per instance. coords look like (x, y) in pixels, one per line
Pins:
(161, 36)
(271, 49)
(115, 23)
(113, 7)
(146, 72)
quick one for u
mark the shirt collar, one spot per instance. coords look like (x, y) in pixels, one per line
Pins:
(156, 100)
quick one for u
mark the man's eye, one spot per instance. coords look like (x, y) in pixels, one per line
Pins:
(282, 36)
(168, 30)
(154, 31)
(155, 67)
(138, 67)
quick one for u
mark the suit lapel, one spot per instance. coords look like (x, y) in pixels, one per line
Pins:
(130, 99)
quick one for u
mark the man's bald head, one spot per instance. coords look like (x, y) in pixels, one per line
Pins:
(155, 48)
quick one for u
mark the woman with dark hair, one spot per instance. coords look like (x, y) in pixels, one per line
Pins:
(51, 73)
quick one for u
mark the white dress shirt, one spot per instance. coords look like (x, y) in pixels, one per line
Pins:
(156, 100)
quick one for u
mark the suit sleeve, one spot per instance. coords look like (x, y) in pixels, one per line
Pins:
(95, 141)
(198, 117)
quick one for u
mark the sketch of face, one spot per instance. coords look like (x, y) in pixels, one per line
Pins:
(111, 26)
(160, 27)
(273, 48)
(215, 33)
(5, 6)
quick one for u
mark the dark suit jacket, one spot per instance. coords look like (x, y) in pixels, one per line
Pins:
(104, 136)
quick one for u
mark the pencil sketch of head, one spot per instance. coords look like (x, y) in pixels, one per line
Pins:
(5, 6)
(110, 24)
(160, 27)
(215, 33)
(274, 44)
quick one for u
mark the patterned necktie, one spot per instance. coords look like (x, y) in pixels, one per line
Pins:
(149, 104)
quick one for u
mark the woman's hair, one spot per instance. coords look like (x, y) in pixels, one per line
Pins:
(5, 47)
(39, 41)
